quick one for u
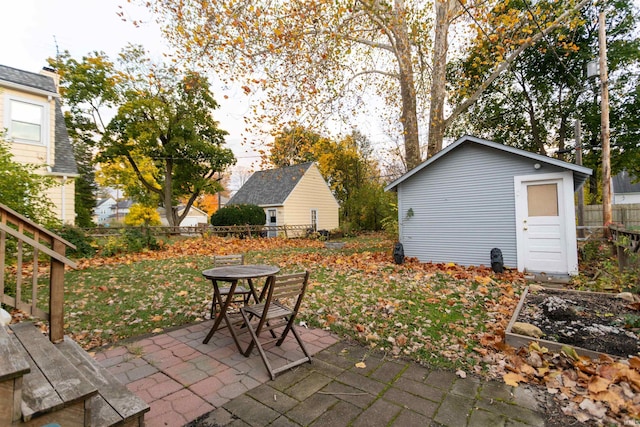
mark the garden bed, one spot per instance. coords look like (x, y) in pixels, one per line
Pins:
(593, 323)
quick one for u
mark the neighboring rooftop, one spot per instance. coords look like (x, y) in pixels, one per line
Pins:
(270, 187)
(623, 183)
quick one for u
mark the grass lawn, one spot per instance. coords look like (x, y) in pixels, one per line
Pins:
(441, 315)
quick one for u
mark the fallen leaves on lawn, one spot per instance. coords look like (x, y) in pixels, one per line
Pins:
(603, 390)
(443, 315)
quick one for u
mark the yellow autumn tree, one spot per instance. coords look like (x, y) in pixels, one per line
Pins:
(142, 215)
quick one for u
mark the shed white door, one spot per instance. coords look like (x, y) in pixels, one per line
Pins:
(542, 225)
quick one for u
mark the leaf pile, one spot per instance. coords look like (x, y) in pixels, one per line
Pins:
(602, 391)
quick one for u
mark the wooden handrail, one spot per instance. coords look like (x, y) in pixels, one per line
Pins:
(63, 259)
(41, 241)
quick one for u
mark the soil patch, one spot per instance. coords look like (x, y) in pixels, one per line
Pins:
(594, 321)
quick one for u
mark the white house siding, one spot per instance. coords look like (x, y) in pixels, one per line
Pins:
(626, 198)
(103, 211)
(463, 206)
(311, 192)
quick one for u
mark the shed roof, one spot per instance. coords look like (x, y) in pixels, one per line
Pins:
(270, 187)
(580, 173)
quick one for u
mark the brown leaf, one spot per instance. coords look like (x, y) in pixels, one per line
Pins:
(615, 399)
(513, 379)
(634, 362)
(633, 306)
(598, 384)
(401, 340)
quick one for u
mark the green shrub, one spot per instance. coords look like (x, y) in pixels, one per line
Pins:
(239, 215)
(130, 240)
(78, 237)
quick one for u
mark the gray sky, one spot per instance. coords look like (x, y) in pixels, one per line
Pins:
(32, 30)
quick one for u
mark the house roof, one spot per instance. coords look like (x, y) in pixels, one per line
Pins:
(123, 204)
(580, 173)
(270, 187)
(65, 161)
(105, 200)
(14, 77)
(623, 183)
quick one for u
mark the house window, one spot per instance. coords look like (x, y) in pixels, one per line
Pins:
(314, 219)
(271, 214)
(27, 121)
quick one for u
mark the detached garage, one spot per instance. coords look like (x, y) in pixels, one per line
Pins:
(476, 195)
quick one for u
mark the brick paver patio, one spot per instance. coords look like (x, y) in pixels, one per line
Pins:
(181, 378)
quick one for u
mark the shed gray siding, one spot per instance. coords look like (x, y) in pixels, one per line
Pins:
(463, 206)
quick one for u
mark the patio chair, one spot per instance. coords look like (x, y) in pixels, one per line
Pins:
(274, 316)
(241, 293)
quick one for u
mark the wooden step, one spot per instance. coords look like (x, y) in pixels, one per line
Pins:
(13, 366)
(114, 404)
(54, 390)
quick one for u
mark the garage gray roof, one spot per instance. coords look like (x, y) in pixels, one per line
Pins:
(270, 187)
(580, 173)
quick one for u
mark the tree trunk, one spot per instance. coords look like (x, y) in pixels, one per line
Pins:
(562, 137)
(444, 9)
(535, 127)
(166, 196)
(409, 116)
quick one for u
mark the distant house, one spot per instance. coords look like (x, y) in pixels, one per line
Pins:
(119, 210)
(625, 189)
(30, 113)
(293, 195)
(194, 217)
(476, 195)
(103, 211)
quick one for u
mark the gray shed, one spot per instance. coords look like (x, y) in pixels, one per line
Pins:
(476, 195)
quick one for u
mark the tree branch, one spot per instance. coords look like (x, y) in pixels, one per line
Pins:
(144, 182)
(507, 62)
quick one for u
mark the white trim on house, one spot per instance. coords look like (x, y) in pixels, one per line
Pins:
(45, 133)
(29, 89)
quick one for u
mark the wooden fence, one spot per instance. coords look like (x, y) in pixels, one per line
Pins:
(626, 215)
(206, 229)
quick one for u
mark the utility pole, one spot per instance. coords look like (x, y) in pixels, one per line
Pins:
(578, 137)
(604, 127)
